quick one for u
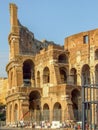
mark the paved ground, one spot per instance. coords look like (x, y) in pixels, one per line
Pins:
(4, 128)
(15, 129)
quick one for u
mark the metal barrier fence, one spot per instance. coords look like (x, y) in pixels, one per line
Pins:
(90, 107)
(2, 123)
(44, 115)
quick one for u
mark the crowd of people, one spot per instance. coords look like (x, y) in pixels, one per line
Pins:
(47, 124)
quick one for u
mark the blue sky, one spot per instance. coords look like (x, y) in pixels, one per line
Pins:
(53, 20)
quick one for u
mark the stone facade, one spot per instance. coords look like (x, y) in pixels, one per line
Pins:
(45, 79)
(3, 90)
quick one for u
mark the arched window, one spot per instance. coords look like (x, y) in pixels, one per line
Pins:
(85, 75)
(28, 72)
(46, 75)
(75, 97)
(46, 112)
(35, 105)
(57, 112)
(34, 100)
(63, 75)
(62, 58)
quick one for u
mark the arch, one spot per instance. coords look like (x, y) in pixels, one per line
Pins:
(73, 74)
(28, 72)
(16, 113)
(10, 113)
(85, 74)
(75, 98)
(38, 79)
(46, 75)
(62, 58)
(88, 111)
(46, 112)
(96, 54)
(57, 112)
(63, 75)
(46, 106)
(35, 106)
(34, 100)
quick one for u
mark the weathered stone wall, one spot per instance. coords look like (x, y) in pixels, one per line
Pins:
(3, 89)
(45, 76)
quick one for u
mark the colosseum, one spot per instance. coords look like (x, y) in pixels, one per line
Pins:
(45, 79)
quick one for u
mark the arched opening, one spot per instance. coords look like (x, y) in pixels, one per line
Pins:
(16, 114)
(63, 75)
(35, 105)
(57, 112)
(85, 75)
(34, 100)
(87, 112)
(46, 75)
(46, 112)
(76, 100)
(73, 76)
(38, 79)
(28, 72)
(96, 54)
(62, 58)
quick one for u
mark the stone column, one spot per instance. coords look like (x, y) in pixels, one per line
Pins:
(20, 111)
(79, 77)
(7, 114)
(64, 106)
(51, 115)
(70, 115)
(10, 117)
(79, 107)
(13, 113)
(63, 115)
(93, 95)
(19, 76)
